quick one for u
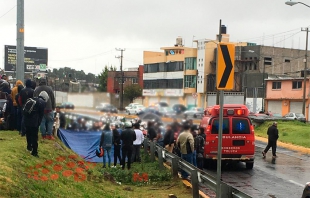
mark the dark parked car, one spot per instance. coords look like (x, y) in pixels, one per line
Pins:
(153, 110)
(167, 112)
(106, 107)
(67, 105)
(178, 108)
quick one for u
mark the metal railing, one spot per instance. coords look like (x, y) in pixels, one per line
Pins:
(197, 176)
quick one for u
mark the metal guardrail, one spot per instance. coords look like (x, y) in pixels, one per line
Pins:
(197, 176)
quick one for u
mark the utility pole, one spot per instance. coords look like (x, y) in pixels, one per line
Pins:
(305, 74)
(220, 39)
(20, 66)
(121, 100)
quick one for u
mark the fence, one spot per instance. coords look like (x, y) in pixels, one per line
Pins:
(197, 176)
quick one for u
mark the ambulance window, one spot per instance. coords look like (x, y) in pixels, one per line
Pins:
(215, 126)
(240, 126)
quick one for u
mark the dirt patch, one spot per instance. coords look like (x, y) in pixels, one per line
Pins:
(9, 180)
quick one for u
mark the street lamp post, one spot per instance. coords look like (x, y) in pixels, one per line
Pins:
(291, 3)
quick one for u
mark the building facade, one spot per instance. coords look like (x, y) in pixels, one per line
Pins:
(285, 94)
(134, 76)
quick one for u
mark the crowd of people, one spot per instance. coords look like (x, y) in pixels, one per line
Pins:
(28, 108)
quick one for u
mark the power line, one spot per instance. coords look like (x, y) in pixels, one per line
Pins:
(7, 12)
(71, 60)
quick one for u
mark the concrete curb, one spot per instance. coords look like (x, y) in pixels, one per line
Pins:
(289, 146)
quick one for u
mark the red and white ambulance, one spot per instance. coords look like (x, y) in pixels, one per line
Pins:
(238, 139)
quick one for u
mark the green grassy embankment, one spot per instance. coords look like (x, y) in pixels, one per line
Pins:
(292, 132)
(59, 172)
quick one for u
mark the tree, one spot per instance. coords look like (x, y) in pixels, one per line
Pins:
(103, 79)
(132, 91)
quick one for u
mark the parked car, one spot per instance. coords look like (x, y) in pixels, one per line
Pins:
(295, 116)
(179, 108)
(67, 105)
(135, 109)
(106, 107)
(153, 110)
(130, 106)
(167, 112)
(194, 112)
(306, 191)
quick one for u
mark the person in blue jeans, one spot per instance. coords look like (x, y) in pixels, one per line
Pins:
(185, 143)
(46, 126)
(106, 144)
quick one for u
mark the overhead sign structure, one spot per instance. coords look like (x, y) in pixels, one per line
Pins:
(225, 66)
(36, 58)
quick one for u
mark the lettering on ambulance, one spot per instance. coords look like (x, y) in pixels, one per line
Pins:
(232, 149)
(233, 137)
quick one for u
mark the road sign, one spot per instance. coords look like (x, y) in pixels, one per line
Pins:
(225, 66)
(42, 66)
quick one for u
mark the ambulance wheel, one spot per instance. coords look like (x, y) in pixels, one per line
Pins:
(249, 165)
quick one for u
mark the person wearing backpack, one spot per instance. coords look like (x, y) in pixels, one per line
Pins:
(106, 143)
(47, 123)
(24, 94)
(33, 112)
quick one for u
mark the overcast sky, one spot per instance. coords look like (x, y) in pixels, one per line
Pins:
(83, 34)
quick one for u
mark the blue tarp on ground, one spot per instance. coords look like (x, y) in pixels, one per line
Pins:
(83, 143)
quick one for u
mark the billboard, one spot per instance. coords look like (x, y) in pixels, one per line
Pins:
(35, 58)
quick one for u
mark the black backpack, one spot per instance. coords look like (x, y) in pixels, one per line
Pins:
(29, 107)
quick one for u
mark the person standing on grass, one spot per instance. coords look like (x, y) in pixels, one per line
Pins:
(106, 143)
(128, 136)
(24, 94)
(47, 123)
(32, 122)
(273, 135)
(185, 143)
(137, 143)
(116, 144)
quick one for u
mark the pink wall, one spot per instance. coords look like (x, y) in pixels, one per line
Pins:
(286, 91)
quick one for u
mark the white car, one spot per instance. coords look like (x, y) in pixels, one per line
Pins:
(130, 106)
(135, 109)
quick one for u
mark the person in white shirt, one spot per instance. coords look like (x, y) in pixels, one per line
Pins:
(137, 143)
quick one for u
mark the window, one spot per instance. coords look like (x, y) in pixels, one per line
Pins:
(162, 67)
(296, 84)
(190, 63)
(163, 84)
(276, 85)
(134, 80)
(175, 66)
(287, 60)
(267, 61)
(189, 81)
(240, 126)
(215, 126)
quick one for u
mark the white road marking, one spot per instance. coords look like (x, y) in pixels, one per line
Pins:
(298, 184)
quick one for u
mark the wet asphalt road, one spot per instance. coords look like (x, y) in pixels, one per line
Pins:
(284, 177)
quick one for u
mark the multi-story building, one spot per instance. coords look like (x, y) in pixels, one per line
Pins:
(171, 75)
(285, 94)
(133, 76)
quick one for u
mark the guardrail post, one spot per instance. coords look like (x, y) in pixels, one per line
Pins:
(195, 183)
(174, 166)
(152, 149)
(145, 145)
(226, 190)
(160, 158)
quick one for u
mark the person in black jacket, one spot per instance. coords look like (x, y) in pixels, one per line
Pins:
(151, 132)
(19, 114)
(24, 94)
(128, 136)
(32, 122)
(273, 135)
(117, 144)
(169, 139)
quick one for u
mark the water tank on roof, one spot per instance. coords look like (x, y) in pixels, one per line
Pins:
(223, 29)
(179, 41)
